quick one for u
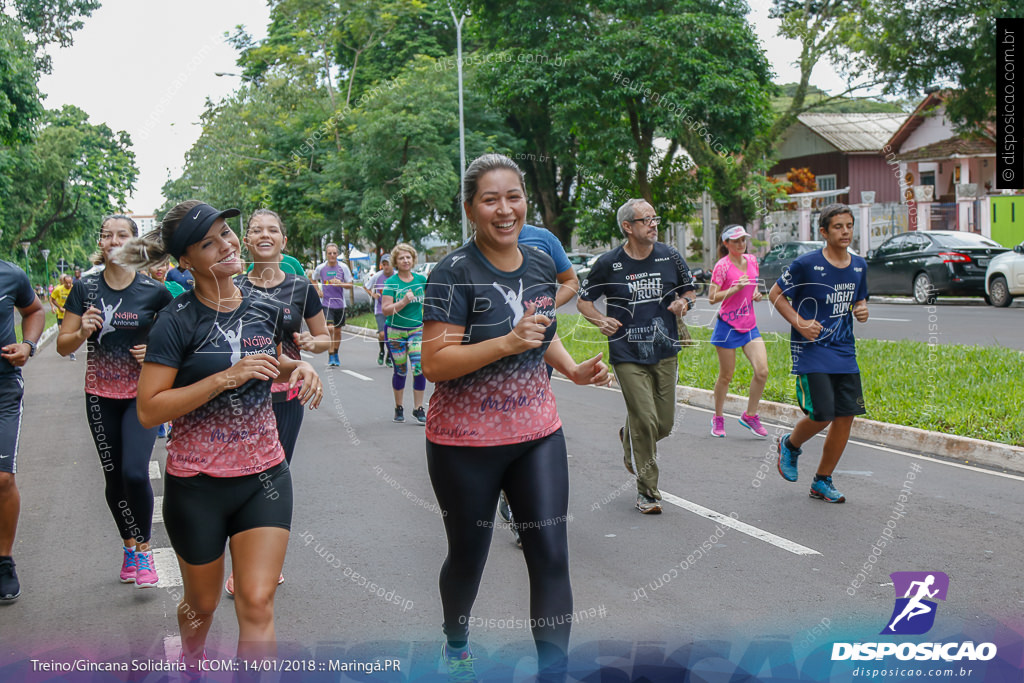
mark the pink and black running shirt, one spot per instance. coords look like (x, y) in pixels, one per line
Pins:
(128, 314)
(508, 401)
(235, 433)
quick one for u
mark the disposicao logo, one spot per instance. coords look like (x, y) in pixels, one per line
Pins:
(914, 614)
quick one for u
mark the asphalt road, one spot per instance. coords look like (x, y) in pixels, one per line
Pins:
(782, 576)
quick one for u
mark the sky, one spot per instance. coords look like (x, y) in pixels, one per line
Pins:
(148, 66)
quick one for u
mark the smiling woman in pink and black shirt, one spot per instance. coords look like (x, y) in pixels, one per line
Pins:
(212, 356)
(113, 311)
(489, 328)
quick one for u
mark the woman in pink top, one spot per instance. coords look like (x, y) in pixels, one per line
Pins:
(734, 283)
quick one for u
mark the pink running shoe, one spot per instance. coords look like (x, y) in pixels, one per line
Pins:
(753, 423)
(146, 576)
(128, 566)
(718, 426)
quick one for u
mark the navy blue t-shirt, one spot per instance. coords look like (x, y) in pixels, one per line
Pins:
(235, 433)
(15, 292)
(128, 314)
(638, 294)
(820, 291)
(508, 401)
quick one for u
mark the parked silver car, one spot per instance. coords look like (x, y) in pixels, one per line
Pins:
(1004, 278)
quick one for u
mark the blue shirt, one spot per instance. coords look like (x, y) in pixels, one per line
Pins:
(544, 240)
(820, 291)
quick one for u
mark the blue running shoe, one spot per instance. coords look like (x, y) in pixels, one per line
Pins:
(823, 489)
(459, 664)
(787, 459)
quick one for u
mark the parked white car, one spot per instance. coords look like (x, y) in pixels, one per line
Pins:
(1004, 278)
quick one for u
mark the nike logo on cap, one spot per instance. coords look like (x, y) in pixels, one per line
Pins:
(197, 214)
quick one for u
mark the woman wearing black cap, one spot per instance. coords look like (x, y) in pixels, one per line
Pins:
(211, 359)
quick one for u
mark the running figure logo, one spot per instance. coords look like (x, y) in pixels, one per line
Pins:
(914, 612)
(514, 301)
(108, 315)
(234, 340)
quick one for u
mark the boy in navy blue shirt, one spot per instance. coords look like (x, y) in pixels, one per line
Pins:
(819, 295)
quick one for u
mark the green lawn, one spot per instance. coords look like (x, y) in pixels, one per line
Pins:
(51, 319)
(966, 390)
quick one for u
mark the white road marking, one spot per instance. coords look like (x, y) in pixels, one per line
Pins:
(863, 473)
(172, 648)
(742, 527)
(154, 469)
(167, 567)
(158, 511)
(358, 376)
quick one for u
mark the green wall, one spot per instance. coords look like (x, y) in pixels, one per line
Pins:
(1008, 220)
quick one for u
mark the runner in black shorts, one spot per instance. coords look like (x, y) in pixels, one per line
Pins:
(212, 356)
(15, 292)
(492, 424)
(820, 294)
(264, 239)
(113, 311)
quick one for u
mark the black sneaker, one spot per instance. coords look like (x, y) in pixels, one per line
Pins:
(380, 358)
(10, 588)
(399, 414)
(420, 415)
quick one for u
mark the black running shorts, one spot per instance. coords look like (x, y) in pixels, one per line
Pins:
(335, 316)
(824, 397)
(202, 512)
(12, 389)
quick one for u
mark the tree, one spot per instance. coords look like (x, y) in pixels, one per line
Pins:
(914, 44)
(630, 75)
(63, 183)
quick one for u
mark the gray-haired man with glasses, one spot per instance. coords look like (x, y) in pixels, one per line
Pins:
(646, 284)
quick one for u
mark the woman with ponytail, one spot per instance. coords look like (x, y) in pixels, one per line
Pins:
(113, 311)
(209, 367)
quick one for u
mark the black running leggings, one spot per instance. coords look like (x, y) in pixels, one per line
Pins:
(289, 420)
(535, 477)
(124, 447)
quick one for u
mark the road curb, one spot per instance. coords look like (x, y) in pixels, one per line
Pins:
(48, 334)
(961, 449)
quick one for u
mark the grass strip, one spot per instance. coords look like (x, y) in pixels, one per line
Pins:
(971, 391)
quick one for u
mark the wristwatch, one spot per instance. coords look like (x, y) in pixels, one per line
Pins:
(31, 347)
(690, 303)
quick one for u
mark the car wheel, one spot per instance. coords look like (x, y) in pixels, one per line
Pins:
(924, 292)
(999, 293)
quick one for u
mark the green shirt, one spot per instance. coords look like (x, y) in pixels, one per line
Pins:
(412, 315)
(289, 264)
(173, 287)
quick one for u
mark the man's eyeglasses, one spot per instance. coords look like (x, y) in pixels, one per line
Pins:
(647, 220)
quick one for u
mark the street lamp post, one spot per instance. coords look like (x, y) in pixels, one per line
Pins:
(46, 258)
(462, 123)
(24, 248)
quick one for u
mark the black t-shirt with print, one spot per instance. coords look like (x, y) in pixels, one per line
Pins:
(234, 433)
(300, 294)
(638, 294)
(128, 314)
(508, 401)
